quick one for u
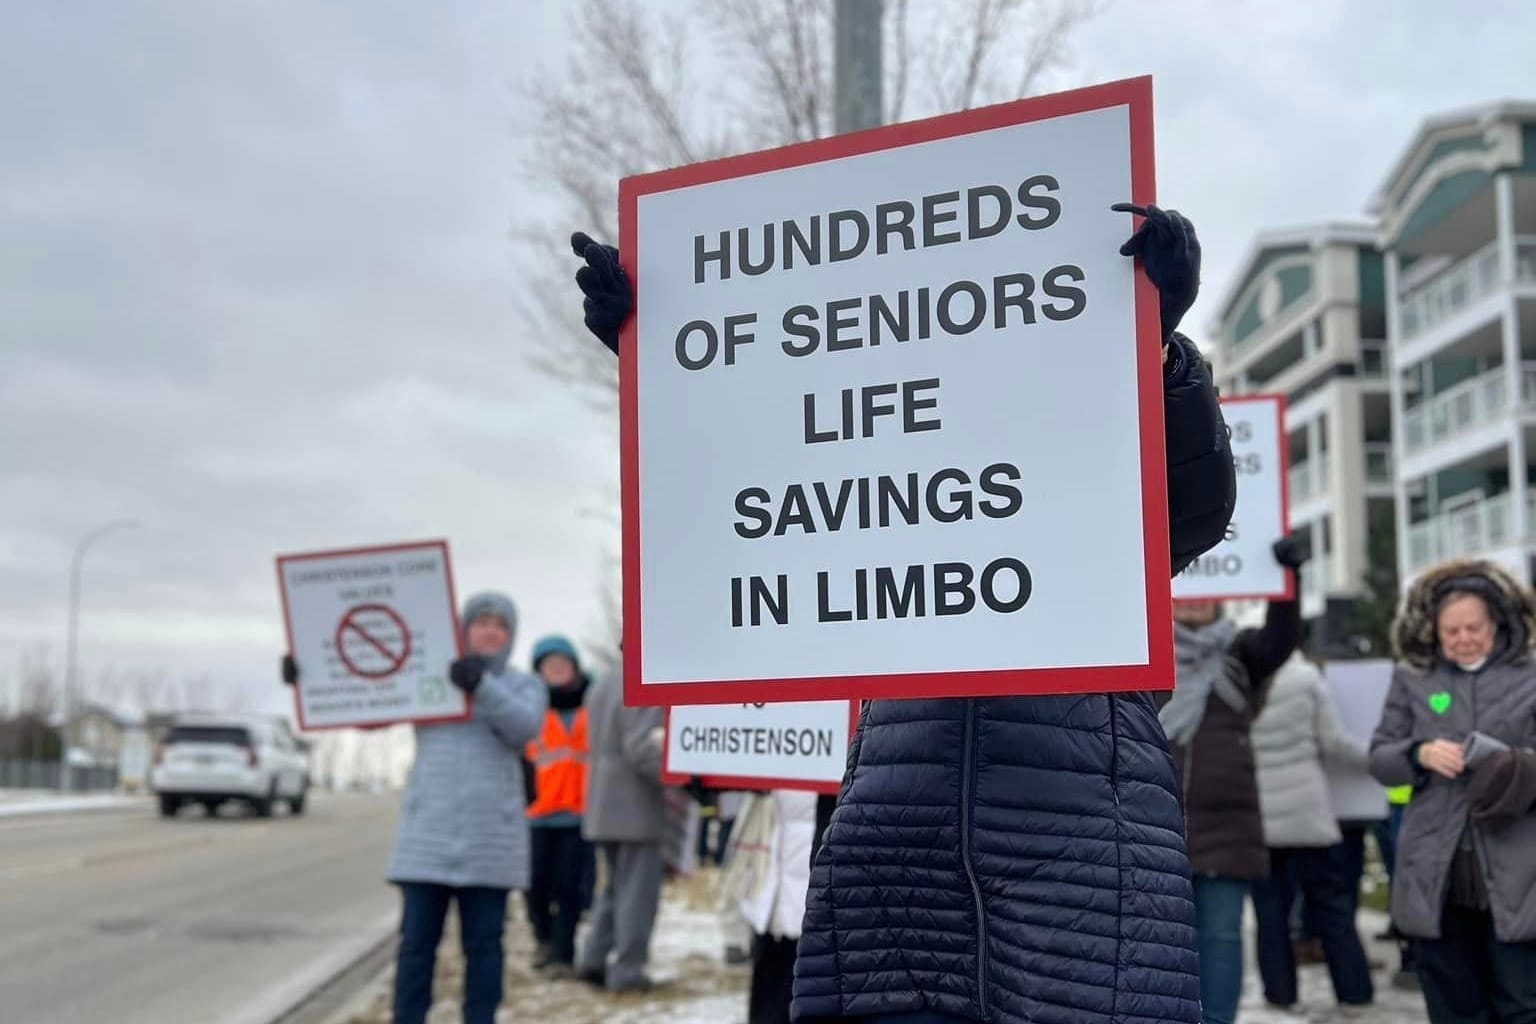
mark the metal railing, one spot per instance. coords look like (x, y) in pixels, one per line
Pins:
(1461, 284)
(1308, 479)
(1472, 403)
(25, 774)
(1378, 462)
(1469, 530)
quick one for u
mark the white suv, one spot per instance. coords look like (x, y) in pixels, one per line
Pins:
(209, 760)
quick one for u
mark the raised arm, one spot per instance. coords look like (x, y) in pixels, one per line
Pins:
(1202, 485)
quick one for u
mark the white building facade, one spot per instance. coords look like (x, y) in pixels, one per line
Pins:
(1458, 227)
(1306, 318)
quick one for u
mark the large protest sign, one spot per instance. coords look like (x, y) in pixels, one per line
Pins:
(1359, 691)
(801, 745)
(1243, 566)
(891, 412)
(373, 631)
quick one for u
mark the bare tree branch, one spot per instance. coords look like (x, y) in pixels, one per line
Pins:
(898, 73)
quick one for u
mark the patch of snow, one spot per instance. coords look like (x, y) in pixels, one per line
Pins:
(17, 803)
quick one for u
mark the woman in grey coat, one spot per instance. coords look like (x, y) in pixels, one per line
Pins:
(463, 836)
(1296, 733)
(1460, 726)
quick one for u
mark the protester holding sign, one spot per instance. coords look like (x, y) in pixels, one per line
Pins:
(1015, 859)
(557, 758)
(1460, 727)
(1224, 677)
(462, 836)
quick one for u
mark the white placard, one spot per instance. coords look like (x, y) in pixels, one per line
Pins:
(816, 508)
(373, 631)
(1243, 566)
(761, 746)
(1359, 691)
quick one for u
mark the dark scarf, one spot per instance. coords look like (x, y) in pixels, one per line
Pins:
(568, 698)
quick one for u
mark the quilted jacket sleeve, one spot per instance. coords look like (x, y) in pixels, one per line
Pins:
(1202, 483)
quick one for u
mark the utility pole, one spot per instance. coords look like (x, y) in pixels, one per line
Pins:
(71, 683)
(856, 65)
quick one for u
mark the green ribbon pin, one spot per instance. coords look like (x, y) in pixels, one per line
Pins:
(1440, 702)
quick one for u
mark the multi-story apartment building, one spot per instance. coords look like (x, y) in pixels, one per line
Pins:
(1306, 318)
(1458, 226)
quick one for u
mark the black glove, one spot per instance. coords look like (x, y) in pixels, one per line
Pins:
(1170, 252)
(290, 670)
(695, 788)
(609, 298)
(467, 672)
(1289, 554)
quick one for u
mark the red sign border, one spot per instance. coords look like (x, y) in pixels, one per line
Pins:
(752, 782)
(1157, 672)
(1283, 459)
(381, 549)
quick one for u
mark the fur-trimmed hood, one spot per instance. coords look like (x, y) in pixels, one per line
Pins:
(1413, 633)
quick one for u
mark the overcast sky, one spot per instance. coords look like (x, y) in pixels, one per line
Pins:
(256, 290)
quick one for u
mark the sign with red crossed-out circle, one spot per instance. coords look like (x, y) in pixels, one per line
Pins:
(372, 633)
(373, 641)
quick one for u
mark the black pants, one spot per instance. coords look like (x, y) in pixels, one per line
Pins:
(558, 888)
(1324, 878)
(482, 917)
(1470, 977)
(773, 980)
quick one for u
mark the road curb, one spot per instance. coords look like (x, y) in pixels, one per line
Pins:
(339, 996)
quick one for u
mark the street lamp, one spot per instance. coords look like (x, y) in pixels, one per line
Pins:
(66, 770)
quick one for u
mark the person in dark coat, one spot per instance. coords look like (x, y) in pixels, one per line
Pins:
(1016, 860)
(1460, 727)
(1224, 674)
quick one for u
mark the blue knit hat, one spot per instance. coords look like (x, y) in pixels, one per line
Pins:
(554, 644)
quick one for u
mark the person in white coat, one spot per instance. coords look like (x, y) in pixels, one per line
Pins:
(1296, 733)
(769, 871)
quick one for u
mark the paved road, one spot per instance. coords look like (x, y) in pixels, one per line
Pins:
(119, 916)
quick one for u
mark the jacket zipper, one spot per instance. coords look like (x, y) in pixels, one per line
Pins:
(967, 781)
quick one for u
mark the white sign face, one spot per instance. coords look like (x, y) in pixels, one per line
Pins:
(1243, 565)
(373, 631)
(1359, 691)
(761, 746)
(889, 430)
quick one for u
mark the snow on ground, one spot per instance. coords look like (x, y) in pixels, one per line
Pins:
(1317, 1005)
(694, 986)
(697, 988)
(18, 802)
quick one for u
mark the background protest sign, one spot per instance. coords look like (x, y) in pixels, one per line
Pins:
(373, 631)
(1359, 691)
(798, 745)
(1243, 566)
(891, 410)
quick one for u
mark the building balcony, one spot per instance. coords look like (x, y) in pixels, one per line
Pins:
(1308, 479)
(1461, 284)
(1470, 530)
(1378, 462)
(1472, 403)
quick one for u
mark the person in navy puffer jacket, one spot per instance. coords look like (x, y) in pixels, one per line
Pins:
(1014, 860)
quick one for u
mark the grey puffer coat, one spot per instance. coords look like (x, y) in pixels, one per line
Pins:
(1432, 699)
(462, 822)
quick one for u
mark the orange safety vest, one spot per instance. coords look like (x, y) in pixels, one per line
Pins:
(559, 759)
